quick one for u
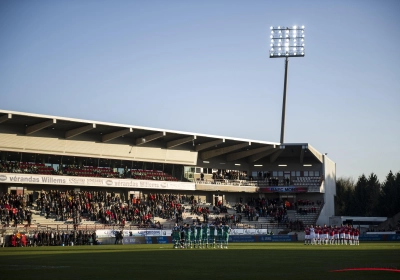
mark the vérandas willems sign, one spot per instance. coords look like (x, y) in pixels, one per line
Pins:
(88, 181)
(283, 189)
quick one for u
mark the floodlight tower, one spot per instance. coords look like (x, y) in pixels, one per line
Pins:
(286, 42)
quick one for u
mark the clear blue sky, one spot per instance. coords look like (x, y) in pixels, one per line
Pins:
(203, 66)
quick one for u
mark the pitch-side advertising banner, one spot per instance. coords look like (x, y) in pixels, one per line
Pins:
(379, 237)
(162, 232)
(89, 181)
(248, 231)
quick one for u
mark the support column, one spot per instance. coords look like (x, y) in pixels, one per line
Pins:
(284, 102)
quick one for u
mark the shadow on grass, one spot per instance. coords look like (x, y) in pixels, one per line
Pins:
(240, 261)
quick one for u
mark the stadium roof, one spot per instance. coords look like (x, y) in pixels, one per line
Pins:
(208, 146)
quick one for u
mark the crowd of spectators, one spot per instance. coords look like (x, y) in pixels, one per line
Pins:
(84, 171)
(106, 208)
(111, 209)
(114, 210)
(52, 238)
(261, 179)
(13, 210)
(296, 225)
(229, 175)
(24, 167)
(254, 208)
(222, 176)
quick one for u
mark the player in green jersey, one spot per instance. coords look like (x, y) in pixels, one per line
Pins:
(211, 237)
(188, 234)
(199, 233)
(176, 236)
(193, 235)
(219, 235)
(205, 235)
(226, 231)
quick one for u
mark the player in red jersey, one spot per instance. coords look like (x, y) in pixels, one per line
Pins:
(352, 236)
(336, 235)
(356, 237)
(342, 235)
(346, 235)
(325, 232)
(317, 240)
(331, 235)
(307, 237)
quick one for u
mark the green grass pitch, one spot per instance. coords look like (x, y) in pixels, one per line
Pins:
(240, 261)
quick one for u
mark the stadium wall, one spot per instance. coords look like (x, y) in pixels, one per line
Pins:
(328, 188)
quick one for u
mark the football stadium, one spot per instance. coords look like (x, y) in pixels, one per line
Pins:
(101, 200)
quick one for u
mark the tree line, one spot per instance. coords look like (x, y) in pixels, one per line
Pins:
(368, 197)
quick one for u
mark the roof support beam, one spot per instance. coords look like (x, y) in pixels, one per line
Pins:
(210, 144)
(149, 138)
(243, 154)
(315, 153)
(116, 134)
(39, 126)
(259, 156)
(5, 117)
(302, 156)
(76, 131)
(174, 143)
(221, 151)
(275, 155)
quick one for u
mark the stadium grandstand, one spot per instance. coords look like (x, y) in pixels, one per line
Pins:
(60, 171)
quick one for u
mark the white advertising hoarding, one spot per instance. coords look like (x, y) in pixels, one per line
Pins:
(102, 233)
(17, 178)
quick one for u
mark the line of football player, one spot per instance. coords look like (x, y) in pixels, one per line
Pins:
(201, 235)
(344, 235)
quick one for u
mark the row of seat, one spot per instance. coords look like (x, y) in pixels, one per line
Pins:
(161, 178)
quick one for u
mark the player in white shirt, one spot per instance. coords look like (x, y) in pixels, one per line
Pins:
(312, 235)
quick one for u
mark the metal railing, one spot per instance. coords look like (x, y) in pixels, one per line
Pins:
(255, 183)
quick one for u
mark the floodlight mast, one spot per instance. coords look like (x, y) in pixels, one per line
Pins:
(286, 42)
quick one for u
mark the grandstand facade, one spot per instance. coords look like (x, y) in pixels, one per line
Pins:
(40, 152)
